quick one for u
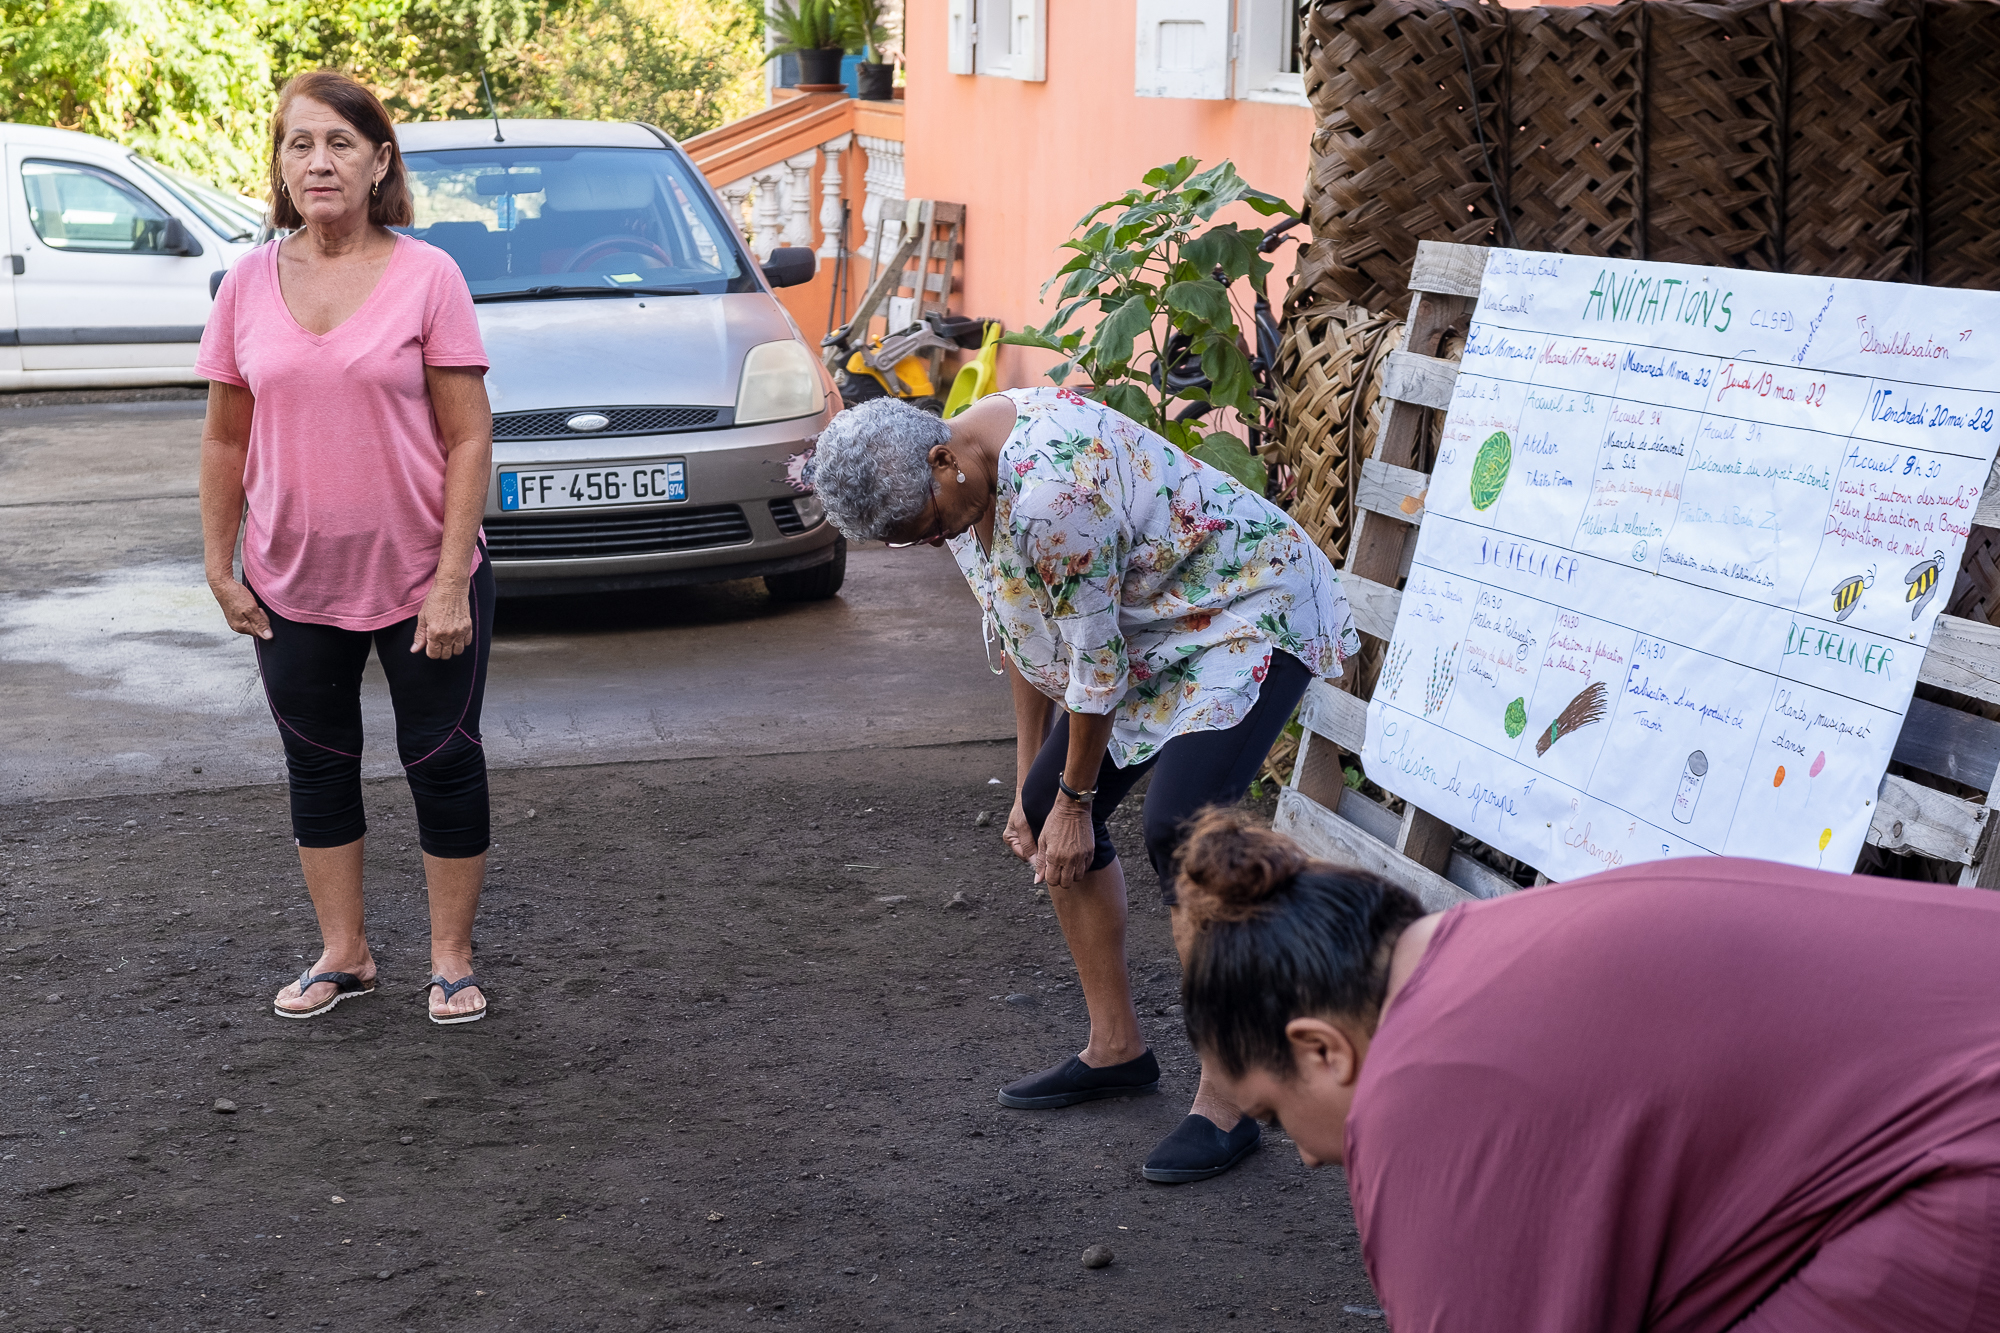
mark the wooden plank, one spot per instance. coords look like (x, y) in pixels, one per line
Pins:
(1910, 818)
(1379, 822)
(1374, 605)
(1326, 835)
(1334, 714)
(1369, 815)
(1964, 656)
(1964, 747)
(1447, 269)
(1396, 491)
(1425, 380)
(1318, 772)
(1477, 878)
(1425, 838)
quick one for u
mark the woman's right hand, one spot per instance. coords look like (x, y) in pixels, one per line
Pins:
(239, 608)
(1019, 834)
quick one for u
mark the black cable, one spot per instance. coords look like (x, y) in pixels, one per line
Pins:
(1479, 128)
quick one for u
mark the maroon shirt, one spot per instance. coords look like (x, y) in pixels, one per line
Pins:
(1643, 1099)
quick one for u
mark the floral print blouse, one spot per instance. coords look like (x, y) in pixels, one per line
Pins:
(1129, 578)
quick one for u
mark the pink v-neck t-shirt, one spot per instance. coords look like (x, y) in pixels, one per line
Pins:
(1666, 1096)
(345, 474)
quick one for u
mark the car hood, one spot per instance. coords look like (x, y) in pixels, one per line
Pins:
(624, 351)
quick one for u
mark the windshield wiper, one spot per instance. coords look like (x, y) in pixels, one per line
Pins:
(552, 293)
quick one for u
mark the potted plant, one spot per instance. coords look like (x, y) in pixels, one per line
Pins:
(875, 78)
(817, 32)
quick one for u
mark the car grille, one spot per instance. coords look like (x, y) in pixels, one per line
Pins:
(785, 513)
(576, 536)
(624, 421)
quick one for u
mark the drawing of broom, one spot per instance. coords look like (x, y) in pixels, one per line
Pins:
(1586, 708)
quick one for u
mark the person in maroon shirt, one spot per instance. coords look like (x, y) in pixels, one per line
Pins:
(1680, 1097)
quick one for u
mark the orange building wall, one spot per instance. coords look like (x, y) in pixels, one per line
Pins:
(1029, 159)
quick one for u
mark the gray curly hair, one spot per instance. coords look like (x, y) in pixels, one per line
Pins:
(871, 466)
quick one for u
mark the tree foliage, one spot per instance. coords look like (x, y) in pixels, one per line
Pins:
(1155, 276)
(193, 82)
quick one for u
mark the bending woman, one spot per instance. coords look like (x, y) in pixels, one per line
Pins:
(347, 406)
(1176, 617)
(1693, 1095)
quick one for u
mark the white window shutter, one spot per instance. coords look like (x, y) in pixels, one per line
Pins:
(1028, 40)
(1183, 49)
(996, 26)
(960, 16)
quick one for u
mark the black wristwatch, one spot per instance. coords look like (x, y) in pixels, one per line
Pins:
(1080, 797)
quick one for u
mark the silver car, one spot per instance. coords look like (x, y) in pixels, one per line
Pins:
(652, 400)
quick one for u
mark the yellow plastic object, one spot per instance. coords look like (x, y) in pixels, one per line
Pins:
(976, 377)
(912, 370)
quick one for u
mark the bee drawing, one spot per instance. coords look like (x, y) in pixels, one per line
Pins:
(1923, 580)
(1847, 593)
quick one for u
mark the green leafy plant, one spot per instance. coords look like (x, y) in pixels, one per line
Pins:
(1149, 272)
(869, 20)
(810, 25)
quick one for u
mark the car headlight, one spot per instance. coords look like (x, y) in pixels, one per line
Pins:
(811, 510)
(780, 380)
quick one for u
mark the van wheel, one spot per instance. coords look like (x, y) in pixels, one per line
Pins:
(811, 585)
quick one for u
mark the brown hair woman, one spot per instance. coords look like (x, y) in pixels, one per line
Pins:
(347, 414)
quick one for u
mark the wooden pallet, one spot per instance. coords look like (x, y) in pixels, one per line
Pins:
(1429, 856)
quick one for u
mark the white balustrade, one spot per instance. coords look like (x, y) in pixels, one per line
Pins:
(884, 180)
(798, 198)
(734, 195)
(766, 213)
(831, 215)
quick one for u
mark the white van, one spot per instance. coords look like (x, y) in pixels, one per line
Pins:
(111, 264)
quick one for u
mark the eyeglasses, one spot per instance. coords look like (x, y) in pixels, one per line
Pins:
(937, 534)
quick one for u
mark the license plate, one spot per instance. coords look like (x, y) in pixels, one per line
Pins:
(589, 487)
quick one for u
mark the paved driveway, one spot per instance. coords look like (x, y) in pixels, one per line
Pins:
(119, 676)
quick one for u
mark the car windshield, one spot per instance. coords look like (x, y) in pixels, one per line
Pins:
(574, 221)
(233, 217)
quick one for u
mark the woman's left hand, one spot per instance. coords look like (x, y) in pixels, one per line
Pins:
(1067, 844)
(444, 625)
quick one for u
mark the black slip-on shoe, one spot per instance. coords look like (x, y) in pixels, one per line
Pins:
(1073, 1081)
(1198, 1150)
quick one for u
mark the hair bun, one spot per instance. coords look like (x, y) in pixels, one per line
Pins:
(1230, 864)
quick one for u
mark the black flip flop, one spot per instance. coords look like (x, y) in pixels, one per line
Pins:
(345, 987)
(451, 988)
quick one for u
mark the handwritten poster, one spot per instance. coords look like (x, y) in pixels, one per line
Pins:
(1687, 536)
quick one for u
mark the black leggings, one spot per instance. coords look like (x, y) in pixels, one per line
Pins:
(312, 678)
(1192, 771)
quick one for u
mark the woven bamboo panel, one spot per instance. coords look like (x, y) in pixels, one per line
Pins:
(1329, 380)
(1712, 127)
(1961, 44)
(1573, 110)
(1976, 595)
(1852, 160)
(1395, 155)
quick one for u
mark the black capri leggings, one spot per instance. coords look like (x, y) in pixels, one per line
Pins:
(1190, 772)
(312, 678)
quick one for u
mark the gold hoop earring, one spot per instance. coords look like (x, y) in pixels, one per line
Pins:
(284, 189)
(375, 189)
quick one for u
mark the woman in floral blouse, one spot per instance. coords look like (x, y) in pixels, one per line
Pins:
(1175, 616)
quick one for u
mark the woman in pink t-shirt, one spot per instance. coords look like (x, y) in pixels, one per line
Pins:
(1679, 1097)
(347, 412)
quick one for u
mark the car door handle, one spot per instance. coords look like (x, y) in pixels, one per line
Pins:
(17, 264)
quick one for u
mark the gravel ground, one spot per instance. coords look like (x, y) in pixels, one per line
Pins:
(747, 1020)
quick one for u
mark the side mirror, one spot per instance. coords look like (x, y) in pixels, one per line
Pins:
(175, 239)
(790, 265)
